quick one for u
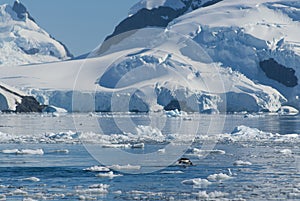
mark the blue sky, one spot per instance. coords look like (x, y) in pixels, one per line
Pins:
(80, 24)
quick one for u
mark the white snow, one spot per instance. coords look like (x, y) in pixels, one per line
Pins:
(94, 189)
(33, 179)
(17, 35)
(197, 182)
(242, 163)
(97, 169)
(218, 177)
(286, 151)
(24, 151)
(109, 175)
(288, 110)
(175, 4)
(125, 167)
(207, 59)
(211, 195)
(172, 172)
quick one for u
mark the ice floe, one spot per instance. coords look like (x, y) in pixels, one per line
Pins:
(218, 177)
(109, 175)
(97, 169)
(211, 195)
(23, 151)
(286, 151)
(172, 172)
(33, 179)
(242, 163)
(94, 189)
(125, 167)
(197, 182)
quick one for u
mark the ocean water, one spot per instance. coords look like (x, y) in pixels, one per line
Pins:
(235, 157)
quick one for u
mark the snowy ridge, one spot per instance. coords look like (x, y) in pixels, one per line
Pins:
(21, 37)
(189, 5)
(209, 60)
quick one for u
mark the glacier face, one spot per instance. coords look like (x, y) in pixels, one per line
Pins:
(231, 56)
(21, 37)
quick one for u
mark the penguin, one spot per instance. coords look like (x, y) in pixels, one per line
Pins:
(185, 161)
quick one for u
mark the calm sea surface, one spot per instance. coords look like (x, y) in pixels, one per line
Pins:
(42, 157)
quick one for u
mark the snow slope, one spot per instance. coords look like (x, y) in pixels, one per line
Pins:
(232, 56)
(21, 37)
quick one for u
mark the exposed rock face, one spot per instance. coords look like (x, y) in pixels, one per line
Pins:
(29, 104)
(279, 73)
(21, 11)
(156, 17)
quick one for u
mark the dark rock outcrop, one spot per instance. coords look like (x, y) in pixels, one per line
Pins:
(29, 104)
(279, 73)
(21, 11)
(156, 17)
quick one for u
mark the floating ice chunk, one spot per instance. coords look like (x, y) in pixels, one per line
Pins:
(63, 136)
(31, 151)
(218, 177)
(211, 195)
(10, 151)
(175, 113)
(242, 163)
(288, 110)
(172, 172)
(117, 192)
(148, 133)
(33, 179)
(24, 151)
(109, 175)
(97, 169)
(286, 151)
(197, 182)
(19, 192)
(29, 199)
(61, 151)
(2, 197)
(161, 151)
(117, 146)
(53, 109)
(94, 189)
(244, 133)
(215, 151)
(125, 167)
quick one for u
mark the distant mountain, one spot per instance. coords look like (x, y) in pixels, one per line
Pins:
(22, 41)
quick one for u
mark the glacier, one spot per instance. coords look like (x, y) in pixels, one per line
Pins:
(216, 56)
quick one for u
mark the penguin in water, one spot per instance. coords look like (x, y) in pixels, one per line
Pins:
(185, 162)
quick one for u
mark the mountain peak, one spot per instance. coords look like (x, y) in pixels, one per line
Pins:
(21, 10)
(23, 38)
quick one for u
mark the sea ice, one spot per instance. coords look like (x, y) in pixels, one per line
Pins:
(125, 167)
(33, 179)
(242, 163)
(218, 177)
(109, 175)
(97, 169)
(202, 183)
(286, 151)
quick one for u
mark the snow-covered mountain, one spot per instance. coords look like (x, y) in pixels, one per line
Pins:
(206, 56)
(22, 41)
